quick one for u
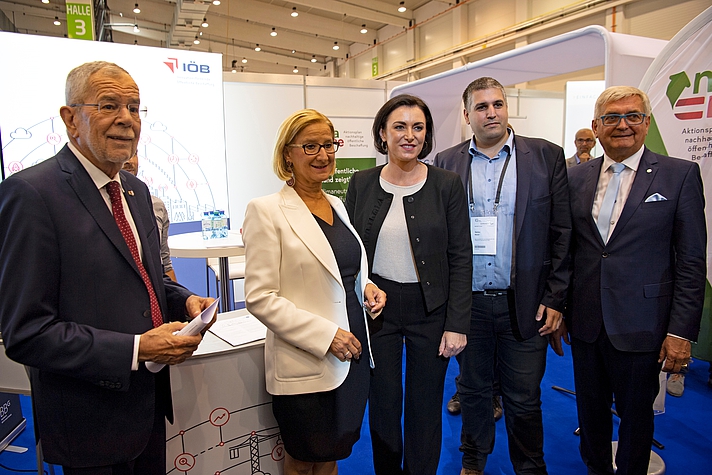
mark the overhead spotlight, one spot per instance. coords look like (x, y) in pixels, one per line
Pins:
(401, 8)
(136, 8)
(234, 70)
(56, 21)
(336, 46)
(273, 33)
(45, 1)
(257, 47)
(196, 41)
(295, 70)
(363, 29)
(216, 2)
(135, 42)
(313, 60)
(205, 23)
(294, 51)
(244, 60)
(295, 13)
(136, 28)
(200, 34)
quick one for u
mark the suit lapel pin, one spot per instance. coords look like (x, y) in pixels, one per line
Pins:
(649, 170)
(131, 193)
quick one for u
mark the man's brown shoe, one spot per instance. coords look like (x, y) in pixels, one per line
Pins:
(471, 471)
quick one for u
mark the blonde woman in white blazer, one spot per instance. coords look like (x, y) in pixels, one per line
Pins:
(306, 279)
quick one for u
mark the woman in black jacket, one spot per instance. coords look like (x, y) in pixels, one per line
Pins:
(414, 224)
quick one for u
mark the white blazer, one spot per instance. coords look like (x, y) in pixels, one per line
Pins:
(293, 286)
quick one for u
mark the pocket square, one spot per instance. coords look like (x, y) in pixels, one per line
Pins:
(655, 197)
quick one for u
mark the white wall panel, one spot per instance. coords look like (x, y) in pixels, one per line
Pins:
(661, 18)
(486, 17)
(394, 54)
(435, 36)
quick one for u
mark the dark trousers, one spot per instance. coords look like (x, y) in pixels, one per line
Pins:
(415, 447)
(521, 366)
(152, 461)
(600, 373)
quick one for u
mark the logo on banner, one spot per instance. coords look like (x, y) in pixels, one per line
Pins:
(690, 108)
(191, 67)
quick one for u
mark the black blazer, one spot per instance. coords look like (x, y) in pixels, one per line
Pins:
(72, 301)
(439, 232)
(542, 226)
(649, 279)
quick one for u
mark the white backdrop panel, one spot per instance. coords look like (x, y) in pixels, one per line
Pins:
(253, 114)
(181, 151)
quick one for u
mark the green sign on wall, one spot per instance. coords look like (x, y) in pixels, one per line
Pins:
(345, 167)
(80, 20)
(374, 66)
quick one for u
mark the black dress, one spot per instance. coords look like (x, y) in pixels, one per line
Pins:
(324, 426)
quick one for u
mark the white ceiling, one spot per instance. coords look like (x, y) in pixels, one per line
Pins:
(235, 27)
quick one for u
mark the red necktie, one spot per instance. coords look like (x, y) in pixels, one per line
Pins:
(117, 206)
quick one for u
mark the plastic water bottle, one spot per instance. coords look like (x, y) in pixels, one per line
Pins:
(207, 225)
(223, 225)
(215, 220)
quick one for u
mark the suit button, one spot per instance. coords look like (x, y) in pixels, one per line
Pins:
(604, 255)
(422, 262)
(147, 313)
(427, 283)
(412, 217)
(117, 385)
(410, 199)
(417, 239)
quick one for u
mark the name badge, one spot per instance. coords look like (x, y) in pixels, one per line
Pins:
(483, 231)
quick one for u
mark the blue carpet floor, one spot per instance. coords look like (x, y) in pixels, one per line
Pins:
(685, 430)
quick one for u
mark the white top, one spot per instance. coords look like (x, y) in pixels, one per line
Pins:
(393, 259)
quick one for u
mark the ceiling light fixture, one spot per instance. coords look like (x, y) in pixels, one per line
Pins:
(56, 21)
(363, 29)
(257, 47)
(205, 23)
(336, 46)
(294, 51)
(234, 63)
(273, 33)
(196, 41)
(295, 13)
(45, 1)
(401, 8)
(136, 8)
(216, 2)
(136, 28)
(244, 60)
(295, 70)
(135, 42)
(313, 60)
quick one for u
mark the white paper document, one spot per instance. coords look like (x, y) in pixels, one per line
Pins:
(193, 327)
(239, 330)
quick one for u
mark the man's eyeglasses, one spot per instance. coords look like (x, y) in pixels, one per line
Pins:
(113, 108)
(314, 148)
(632, 118)
(585, 140)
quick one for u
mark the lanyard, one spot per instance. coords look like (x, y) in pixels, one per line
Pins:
(499, 186)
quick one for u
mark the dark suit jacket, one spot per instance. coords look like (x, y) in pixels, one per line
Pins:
(542, 227)
(72, 301)
(649, 279)
(439, 236)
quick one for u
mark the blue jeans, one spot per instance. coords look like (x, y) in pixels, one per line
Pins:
(521, 366)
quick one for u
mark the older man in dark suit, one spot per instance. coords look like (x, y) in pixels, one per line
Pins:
(638, 283)
(520, 228)
(84, 298)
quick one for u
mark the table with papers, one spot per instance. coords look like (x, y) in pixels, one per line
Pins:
(223, 413)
